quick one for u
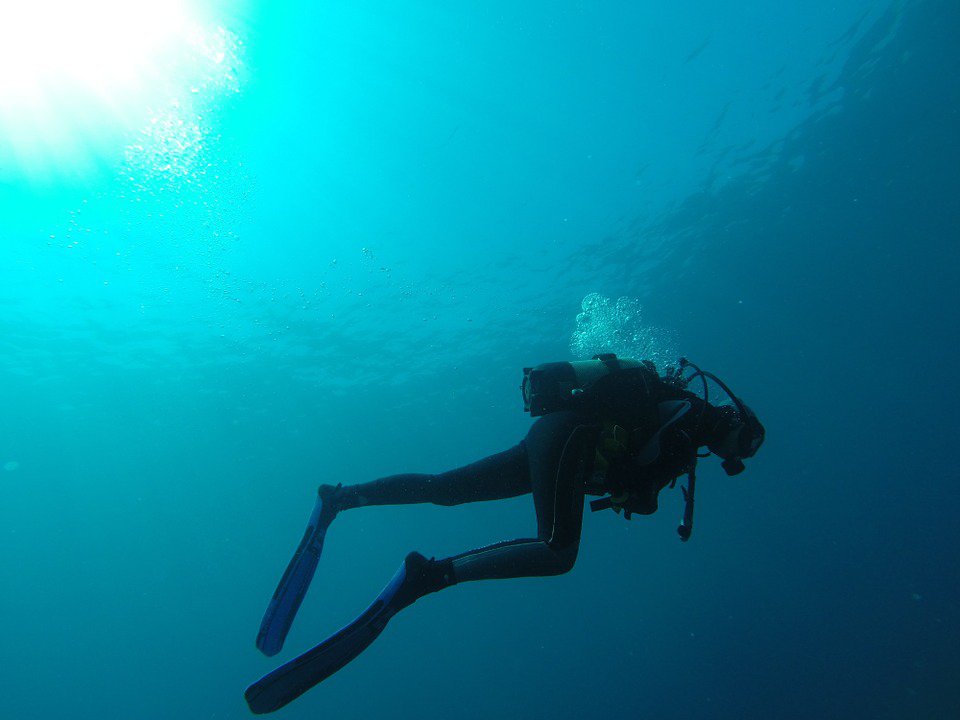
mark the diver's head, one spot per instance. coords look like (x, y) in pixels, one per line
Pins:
(738, 436)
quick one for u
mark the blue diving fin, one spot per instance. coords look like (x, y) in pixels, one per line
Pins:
(290, 681)
(296, 578)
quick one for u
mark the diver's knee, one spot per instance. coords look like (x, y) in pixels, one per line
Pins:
(564, 558)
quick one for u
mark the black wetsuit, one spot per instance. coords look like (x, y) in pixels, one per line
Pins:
(555, 462)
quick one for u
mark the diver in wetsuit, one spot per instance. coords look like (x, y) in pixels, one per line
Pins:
(607, 426)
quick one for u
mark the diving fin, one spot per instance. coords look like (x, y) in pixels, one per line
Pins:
(415, 578)
(296, 578)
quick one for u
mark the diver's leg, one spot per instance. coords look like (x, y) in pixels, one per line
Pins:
(503, 475)
(499, 476)
(560, 452)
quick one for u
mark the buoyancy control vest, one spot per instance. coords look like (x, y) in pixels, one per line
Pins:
(641, 447)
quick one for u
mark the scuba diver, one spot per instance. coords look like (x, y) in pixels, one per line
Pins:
(606, 427)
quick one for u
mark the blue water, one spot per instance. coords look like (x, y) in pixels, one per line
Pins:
(327, 260)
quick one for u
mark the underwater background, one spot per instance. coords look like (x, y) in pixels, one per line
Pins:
(317, 242)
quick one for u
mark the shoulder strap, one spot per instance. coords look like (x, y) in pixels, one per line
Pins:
(669, 412)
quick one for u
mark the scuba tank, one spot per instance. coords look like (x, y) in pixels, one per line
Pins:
(556, 386)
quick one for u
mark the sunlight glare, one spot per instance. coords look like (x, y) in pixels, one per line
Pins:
(72, 72)
(102, 45)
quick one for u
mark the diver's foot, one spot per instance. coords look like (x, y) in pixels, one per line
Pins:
(334, 500)
(422, 577)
